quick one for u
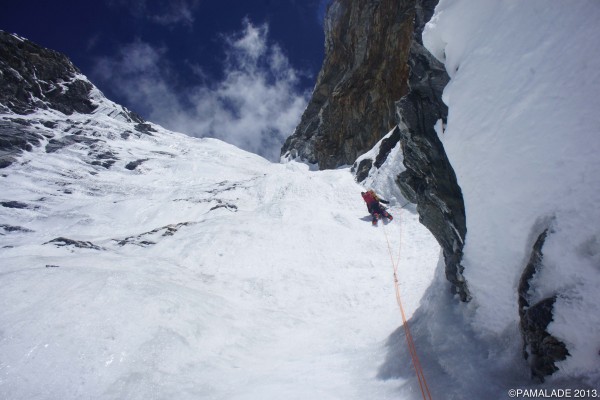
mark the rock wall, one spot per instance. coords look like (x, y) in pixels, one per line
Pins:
(35, 78)
(429, 179)
(365, 71)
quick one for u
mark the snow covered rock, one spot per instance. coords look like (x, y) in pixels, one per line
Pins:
(522, 137)
(540, 348)
(36, 79)
(364, 165)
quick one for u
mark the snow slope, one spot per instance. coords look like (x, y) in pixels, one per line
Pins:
(206, 272)
(522, 136)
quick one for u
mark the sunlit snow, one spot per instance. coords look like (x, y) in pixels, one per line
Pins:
(206, 272)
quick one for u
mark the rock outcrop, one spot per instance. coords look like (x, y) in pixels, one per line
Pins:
(540, 348)
(429, 179)
(38, 78)
(34, 78)
(364, 73)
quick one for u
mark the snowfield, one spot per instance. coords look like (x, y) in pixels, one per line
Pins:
(206, 272)
(138, 263)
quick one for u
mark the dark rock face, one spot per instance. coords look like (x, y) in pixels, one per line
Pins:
(134, 164)
(144, 239)
(62, 242)
(102, 157)
(57, 144)
(14, 204)
(424, 12)
(34, 77)
(429, 179)
(540, 348)
(363, 168)
(419, 61)
(12, 228)
(15, 138)
(144, 128)
(365, 71)
(386, 147)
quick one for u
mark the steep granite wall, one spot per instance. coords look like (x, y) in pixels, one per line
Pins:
(365, 71)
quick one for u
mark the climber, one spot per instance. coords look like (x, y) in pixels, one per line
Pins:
(374, 206)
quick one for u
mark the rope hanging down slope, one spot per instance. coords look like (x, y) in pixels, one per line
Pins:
(409, 340)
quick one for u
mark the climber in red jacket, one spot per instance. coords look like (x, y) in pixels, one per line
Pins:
(374, 206)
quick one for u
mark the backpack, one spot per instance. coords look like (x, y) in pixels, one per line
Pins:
(370, 198)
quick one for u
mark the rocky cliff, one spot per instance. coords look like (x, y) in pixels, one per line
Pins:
(428, 179)
(35, 78)
(364, 73)
(39, 78)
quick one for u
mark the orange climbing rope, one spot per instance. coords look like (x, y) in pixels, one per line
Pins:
(409, 340)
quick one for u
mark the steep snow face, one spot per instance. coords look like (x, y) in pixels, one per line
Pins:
(139, 263)
(522, 136)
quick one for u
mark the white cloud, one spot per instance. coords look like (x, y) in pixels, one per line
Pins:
(252, 44)
(177, 12)
(256, 105)
(163, 12)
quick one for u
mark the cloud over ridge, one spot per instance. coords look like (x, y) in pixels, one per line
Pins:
(255, 105)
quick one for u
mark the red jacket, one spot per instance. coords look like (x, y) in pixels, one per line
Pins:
(370, 198)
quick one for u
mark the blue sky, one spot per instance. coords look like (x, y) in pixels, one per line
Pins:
(238, 70)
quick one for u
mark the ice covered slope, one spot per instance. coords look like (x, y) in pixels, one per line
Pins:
(522, 136)
(148, 264)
